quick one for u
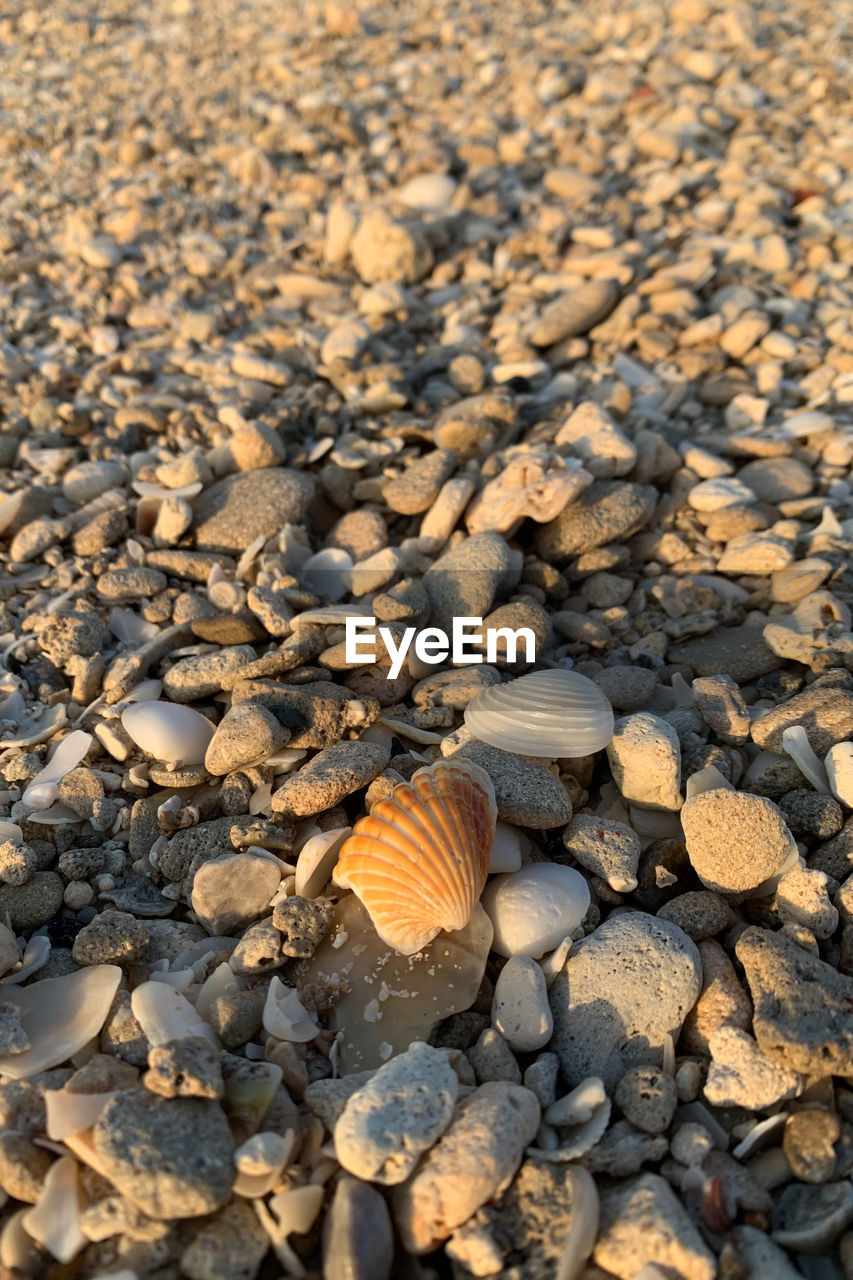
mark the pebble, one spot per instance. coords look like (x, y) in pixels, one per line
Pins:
(626, 688)
(741, 1076)
(198, 677)
(740, 652)
(719, 494)
(593, 437)
(130, 584)
(29, 905)
(608, 849)
(417, 488)
(607, 511)
(234, 512)
(575, 312)
(809, 1144)
(720, 704)
(464, 581)
(473, 1161)
(777, 479)
(231, 1245)
(645, 759)
(722, 1000)
(172, 1157)
(801, 1005)
(245, 735)
(527, 795)
(113, 937)
(520, 1010)
(230, 891)
(838, 763)
(756, 553)
(699, 913)
(330, 776)
(826, 714)
(643, 1223)
(358, 1241)
(302, 923)
(735, 841)
(493, 1059)
(647, 1097)
(399, 1114)
(383, 250)
(623, 989)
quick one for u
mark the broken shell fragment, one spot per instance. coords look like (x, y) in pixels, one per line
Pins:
(168, 731)
(556, 714)
(60, 1016)
(419, 861)
(41, 792)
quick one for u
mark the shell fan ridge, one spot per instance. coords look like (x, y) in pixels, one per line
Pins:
(418, 862)
(557, 714)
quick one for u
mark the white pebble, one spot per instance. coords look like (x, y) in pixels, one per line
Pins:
(533, 909)
(520, 1010)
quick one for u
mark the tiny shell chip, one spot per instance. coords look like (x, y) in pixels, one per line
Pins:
(419, 860)
(556, 714)
(168, 731)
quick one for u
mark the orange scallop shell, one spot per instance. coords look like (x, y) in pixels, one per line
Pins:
(419, 860)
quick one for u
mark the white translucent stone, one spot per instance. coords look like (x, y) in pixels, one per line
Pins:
(285, 1017)
(164, 1014)
(411, 993)
(533, 909)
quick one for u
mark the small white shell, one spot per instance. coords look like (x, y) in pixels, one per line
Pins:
(168, 731)
(584, 1115)
(548, 713)
(285, 1017)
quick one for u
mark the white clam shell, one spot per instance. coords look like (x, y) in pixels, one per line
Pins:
(535, 908)
(547, 713)
(168, 731)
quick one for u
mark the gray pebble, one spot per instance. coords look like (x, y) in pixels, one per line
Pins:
(173, 1157)
(246, 734)
(605, 512)
(527, 795)
(520, 1010)
(358, 1242)
(329, 777)
(492, 1058)
(647, 1097)
(624, 988)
